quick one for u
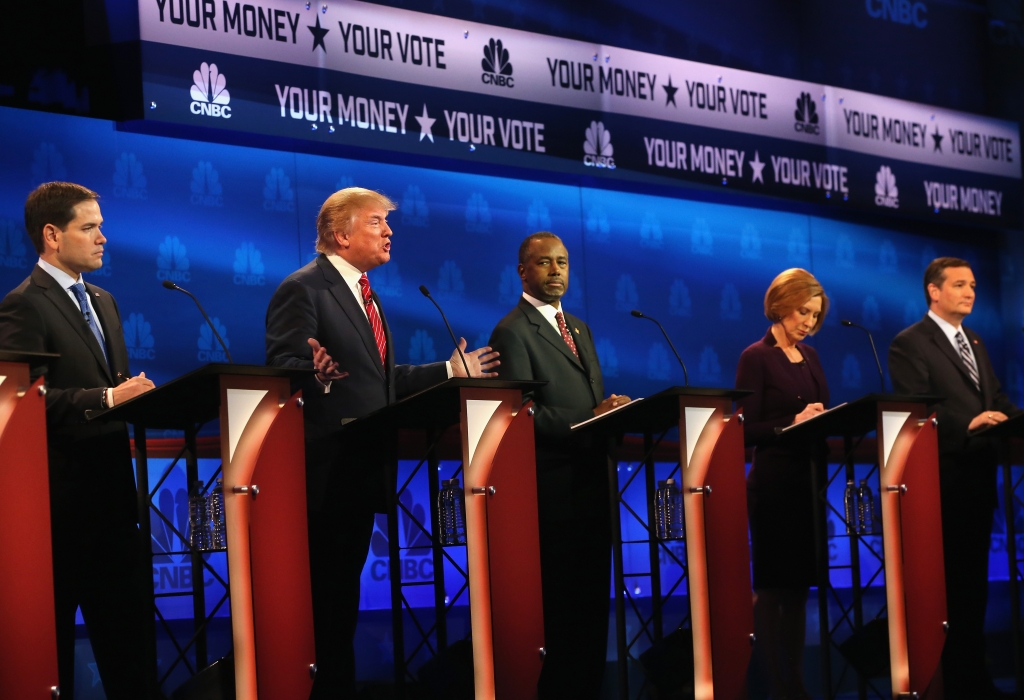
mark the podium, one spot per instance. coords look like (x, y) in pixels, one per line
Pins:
(263, 469)
(713, 482)
(1012, 428)
(503, 542)
(28, 636)
(911, 534)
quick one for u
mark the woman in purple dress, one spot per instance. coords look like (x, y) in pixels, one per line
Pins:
(789, 387)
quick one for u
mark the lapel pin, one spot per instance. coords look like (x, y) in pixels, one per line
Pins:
(577, 330)
(975, 342)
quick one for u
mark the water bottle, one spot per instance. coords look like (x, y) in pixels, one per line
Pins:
(668, 509)
(451, 512)
(198, 520)
(865, 509)
(850, 507)
(218, 530)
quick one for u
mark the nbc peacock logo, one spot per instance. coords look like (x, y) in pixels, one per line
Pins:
(209, 92)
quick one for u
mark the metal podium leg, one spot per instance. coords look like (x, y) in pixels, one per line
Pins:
(1011, 555)
(652, 538)
(437, 551)
(395, 570)
(819, 471)
(146, 560)
(622, 651)
(198, 570)
(854, 542)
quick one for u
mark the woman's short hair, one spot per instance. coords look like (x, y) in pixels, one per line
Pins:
(789, 291)
(340, 210)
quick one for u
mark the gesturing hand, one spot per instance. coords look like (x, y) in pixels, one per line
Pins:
(479, 361)
(326, 368)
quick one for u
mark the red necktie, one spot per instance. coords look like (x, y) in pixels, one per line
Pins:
(566, 335)
(374, 318)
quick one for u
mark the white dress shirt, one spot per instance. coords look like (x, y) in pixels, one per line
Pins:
(547, 311)
(66, 281)
(351, 274)
(950, 330)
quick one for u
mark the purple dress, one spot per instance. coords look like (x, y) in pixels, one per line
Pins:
(779, 493)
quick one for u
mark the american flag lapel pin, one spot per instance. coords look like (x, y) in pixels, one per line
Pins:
(975, 342)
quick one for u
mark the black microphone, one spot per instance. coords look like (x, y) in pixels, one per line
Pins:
(171, 285)
(881, 375)
(639, 314)
(426, 292)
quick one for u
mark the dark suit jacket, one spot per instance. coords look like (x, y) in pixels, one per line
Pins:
(923, 361)
(39, 316)
(315, 302)
(531, 349)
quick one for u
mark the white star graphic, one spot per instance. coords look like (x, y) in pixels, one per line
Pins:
(425, 125)
(757, 166)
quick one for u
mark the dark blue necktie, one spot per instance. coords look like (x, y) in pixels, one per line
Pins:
(83, 302)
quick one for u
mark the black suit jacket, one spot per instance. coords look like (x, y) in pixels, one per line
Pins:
(39, 316)
(315, 302)
(531, 349)
(923, 361)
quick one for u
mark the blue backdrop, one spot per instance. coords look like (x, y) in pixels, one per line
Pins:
(230, 222)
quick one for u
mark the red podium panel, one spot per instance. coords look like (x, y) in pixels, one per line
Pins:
(912, 529)
(268, 550)
(717, 547)
(504, 460)
(502, 534)
(28, 637)
(263, 466)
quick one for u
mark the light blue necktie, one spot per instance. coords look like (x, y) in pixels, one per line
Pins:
(83, 302)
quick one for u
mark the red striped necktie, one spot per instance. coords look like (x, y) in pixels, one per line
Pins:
(374, 318)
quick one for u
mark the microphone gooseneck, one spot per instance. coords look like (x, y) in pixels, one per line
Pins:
(881, 375)
(640, 314)
(426, 292)
(172, 286)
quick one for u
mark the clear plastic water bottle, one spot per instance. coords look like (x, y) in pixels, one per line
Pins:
(218, 530)
(850, 508)
(451, 512)
(668, 510)
(198, 520)
(865, 509)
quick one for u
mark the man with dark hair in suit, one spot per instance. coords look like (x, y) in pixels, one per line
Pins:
(325, 317)
(92, 485)
(537, 341)
(937, 355)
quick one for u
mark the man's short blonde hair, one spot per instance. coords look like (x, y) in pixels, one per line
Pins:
(340, 210)
(789, 291)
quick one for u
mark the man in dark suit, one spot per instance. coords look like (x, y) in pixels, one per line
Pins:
(92, 485)
(537, 341)
(325, 317)
(937, 355)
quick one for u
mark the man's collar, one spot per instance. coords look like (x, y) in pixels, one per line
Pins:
(65, 280)
(948, 328)
(538, 304)
(349, 272)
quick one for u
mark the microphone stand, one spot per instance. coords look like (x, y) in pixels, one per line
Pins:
(171, 285)
(426, 292)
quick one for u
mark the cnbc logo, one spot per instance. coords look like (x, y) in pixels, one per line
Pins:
(138, 338)
(806, 115)
(597, 147)
(497, 69)
(209, 94)
(886, 192)
(172, 262)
